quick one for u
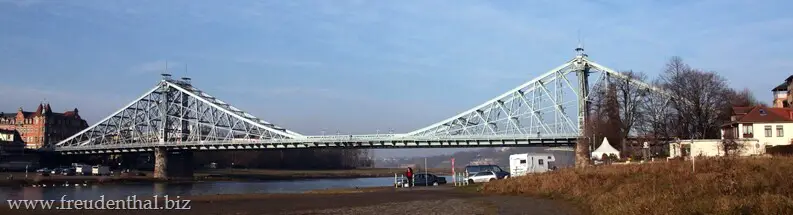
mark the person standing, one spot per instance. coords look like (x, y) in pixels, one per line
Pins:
(409, 175)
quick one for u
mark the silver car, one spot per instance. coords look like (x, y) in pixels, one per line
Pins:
(481, 177)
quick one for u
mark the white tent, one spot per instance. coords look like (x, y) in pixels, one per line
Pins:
(604, 149)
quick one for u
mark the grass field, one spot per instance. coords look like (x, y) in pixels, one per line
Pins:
(719, 186)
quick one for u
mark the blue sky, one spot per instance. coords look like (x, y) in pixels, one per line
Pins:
(360, 66)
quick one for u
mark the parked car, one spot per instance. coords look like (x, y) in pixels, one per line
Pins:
(422, 179)
(68, 171)
(474, 169)
(482, 177)
(56, 171)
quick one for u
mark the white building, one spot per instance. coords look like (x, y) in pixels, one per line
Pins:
(712, 147)
(754, 128)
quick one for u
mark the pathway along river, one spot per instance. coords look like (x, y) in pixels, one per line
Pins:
(148, 189)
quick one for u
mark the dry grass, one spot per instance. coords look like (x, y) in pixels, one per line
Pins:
(720, 186)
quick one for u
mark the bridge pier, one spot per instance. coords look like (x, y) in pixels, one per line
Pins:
(172, 164)
(160, 163)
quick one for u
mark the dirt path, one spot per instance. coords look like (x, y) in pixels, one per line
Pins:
(390, 201)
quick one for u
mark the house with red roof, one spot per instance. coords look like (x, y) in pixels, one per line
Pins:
(753, 128)
(769, 125)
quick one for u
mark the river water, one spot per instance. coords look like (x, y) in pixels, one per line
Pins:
(148, 189)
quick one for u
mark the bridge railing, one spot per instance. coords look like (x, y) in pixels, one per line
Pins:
(404, 137)
(243, 142)
(341, 136)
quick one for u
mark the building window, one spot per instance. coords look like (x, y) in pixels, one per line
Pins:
(768, 131)
(779, 131)
(748, 131)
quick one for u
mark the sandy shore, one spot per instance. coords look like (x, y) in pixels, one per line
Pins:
(383, 200)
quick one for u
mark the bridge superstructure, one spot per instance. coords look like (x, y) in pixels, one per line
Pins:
(549, 110)
(175, 115)
(175, 118)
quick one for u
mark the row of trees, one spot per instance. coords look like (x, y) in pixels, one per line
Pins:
(289, 158)
(697, 103)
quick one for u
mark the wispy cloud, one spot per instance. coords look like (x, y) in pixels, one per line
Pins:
(92, 105)
(157, 66)
(22, 3)
(278, 62)
(295, 92)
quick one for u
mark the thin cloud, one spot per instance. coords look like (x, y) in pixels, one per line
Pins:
(279, 62)
(22, 3)
(292, 91)
(157, 66)
(93, 106)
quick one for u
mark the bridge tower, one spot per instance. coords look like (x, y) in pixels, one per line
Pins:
(581, 68)
(172, 163)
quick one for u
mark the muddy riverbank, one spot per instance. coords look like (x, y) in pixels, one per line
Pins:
(32, 178)
(383, 200)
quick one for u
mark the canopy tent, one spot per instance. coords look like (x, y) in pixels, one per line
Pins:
(604, 149)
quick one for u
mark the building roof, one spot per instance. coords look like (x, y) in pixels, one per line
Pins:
(781, 87)
(42, 107)
(760, 114)
(741, 110)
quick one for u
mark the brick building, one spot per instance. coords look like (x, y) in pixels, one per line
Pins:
(42, 127)
(10, 143)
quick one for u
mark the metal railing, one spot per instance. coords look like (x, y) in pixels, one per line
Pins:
(460, 179)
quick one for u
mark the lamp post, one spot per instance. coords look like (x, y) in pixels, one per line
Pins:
(691, 151)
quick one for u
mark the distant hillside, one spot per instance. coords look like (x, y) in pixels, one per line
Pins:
(499, 156)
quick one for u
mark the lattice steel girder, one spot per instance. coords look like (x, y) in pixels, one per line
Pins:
(545, 106)
(174, 112)
(396, 142)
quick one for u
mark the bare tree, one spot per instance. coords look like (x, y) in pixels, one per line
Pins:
(657, 116)
(629, 96)
(743, 98)
(605, 118)
(705, 96)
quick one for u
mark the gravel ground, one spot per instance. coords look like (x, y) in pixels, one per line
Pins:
(447, 206)
(385, 201)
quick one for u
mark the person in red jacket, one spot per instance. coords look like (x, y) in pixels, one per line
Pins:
(409, 176)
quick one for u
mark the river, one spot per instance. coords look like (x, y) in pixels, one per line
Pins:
(148, 189)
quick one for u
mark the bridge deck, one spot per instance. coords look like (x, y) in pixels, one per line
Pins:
(336, 142)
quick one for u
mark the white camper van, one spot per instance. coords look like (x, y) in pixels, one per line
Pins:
(521, 164)
(100, 170)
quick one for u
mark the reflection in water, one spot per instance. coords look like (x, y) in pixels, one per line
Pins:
(143, 190)
(159, 188)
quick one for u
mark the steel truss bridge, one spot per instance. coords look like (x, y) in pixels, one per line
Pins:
(175, 115)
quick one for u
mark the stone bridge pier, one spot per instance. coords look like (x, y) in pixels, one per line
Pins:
(172, 164)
